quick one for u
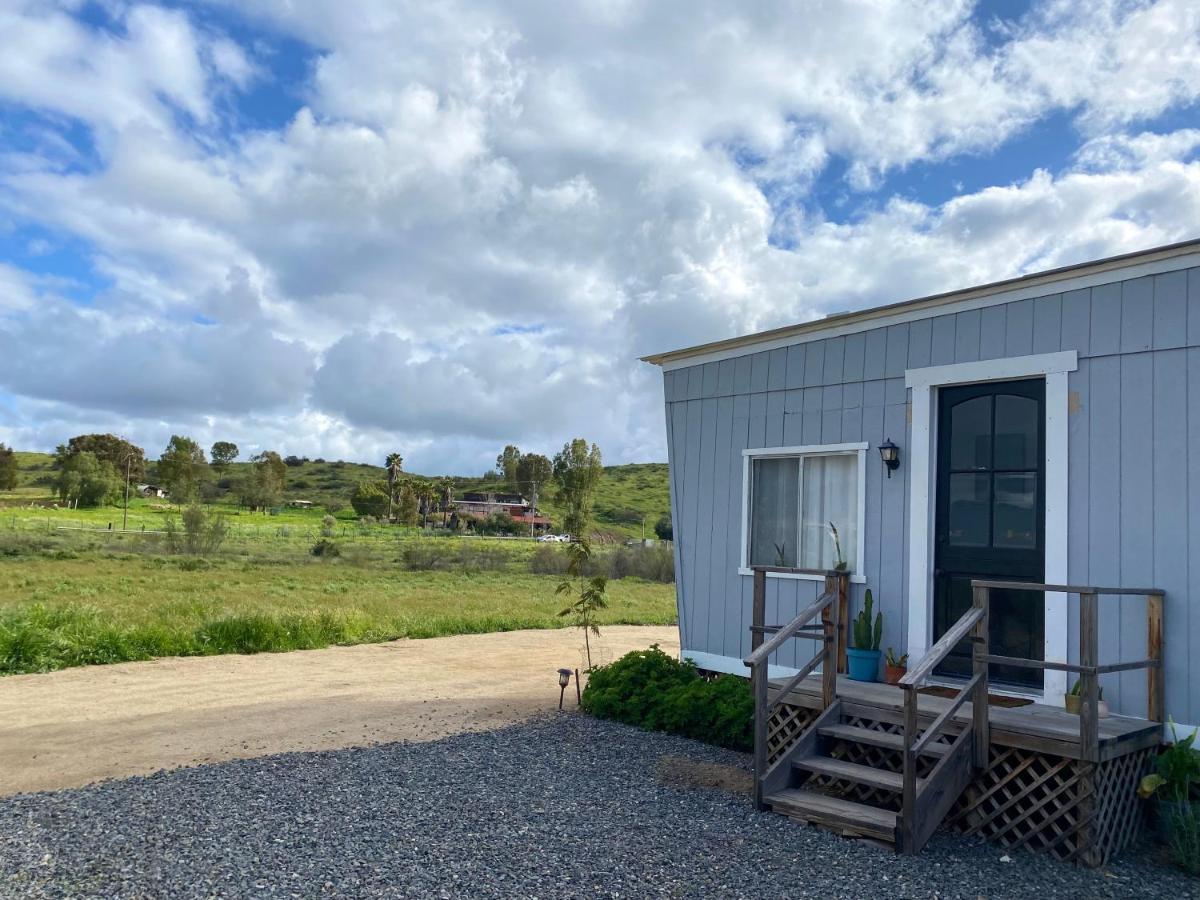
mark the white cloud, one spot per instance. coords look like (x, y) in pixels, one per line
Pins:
(486, 211)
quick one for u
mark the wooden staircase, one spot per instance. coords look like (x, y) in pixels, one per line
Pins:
(811, 778)
(809, 781)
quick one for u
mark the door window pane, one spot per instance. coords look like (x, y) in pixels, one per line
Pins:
(1016, 432)
(969, 510)
(971, 434)
(773, 512)
(1015, 511)
(830, 494)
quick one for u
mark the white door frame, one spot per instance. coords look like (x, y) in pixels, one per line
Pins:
(924, 382)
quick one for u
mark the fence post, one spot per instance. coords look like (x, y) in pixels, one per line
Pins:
(1089, 681)
(1155, 676)
(981, 599)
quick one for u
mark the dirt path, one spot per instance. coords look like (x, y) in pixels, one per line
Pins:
(73, 727)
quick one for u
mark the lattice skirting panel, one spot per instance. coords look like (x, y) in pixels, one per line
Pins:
(784, 727)
(1079, 811)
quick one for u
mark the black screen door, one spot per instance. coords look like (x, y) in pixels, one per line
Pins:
(991, 501)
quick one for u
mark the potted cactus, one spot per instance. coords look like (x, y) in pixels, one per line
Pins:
(863, 658)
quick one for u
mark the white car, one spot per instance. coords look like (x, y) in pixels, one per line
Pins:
(554, 538)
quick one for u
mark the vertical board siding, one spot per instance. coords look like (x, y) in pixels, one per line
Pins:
(1133, 491)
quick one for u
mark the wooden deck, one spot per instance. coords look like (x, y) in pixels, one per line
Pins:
(1047, 729)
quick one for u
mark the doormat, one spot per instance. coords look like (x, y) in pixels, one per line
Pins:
(993, 699)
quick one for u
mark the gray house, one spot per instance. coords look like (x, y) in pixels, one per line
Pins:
(1048, 429)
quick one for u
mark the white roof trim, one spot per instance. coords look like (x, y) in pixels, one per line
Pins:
(1086, 275)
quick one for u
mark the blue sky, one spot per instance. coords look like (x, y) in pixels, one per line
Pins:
(341, 229)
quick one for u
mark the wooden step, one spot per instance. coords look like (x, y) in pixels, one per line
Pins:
(843, 816)
(874, 738)
(848, 771)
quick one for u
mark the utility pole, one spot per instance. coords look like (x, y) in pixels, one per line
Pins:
(128, 465)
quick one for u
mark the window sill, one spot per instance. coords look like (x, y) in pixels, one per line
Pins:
(855, 578)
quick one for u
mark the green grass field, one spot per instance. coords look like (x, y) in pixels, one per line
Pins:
(83, 598)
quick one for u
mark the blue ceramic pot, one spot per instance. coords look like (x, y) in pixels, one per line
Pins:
(863, 664)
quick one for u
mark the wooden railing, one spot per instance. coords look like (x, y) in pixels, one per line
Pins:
(1088, 668)
(830, 607)
(927, 800)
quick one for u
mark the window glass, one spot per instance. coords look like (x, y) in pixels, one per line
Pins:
(1015, 510)
(793, 500)
(1016, 432)
(971, 434)
(773, 512)
(829, 486)
(969, 510)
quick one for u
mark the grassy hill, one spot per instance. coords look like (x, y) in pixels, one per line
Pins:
(625, 496)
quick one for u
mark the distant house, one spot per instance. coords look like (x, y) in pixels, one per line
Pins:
(478, 505)
(299, 504)
(152, 490)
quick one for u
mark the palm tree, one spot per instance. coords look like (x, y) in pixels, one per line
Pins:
(395, 465)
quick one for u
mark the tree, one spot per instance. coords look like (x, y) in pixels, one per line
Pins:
(271, 475)
(222, 454)
(577, 470)
(394, 465)
(8, 468)
(182, 467)
(407, 503)
(88, 481)
(662, 527)
(507, 462)
(108, 448)
(371, 498)
(591, 600)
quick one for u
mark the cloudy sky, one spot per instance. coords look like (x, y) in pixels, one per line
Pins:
(343, 228)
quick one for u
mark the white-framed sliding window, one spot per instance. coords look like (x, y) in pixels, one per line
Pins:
(790, 495)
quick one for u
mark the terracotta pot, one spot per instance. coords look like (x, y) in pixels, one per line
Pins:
(893, 674)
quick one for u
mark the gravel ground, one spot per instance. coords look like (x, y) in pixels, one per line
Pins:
(558, 807)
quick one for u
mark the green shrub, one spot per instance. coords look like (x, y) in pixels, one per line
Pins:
(652, 690)
(325, 548)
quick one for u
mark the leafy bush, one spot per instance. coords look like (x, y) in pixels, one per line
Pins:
(370, 498)
(500, 523)
(652, 690)
(663, 528)
(202, 532)
(325, 548)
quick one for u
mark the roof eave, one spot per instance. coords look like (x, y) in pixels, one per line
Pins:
(1047, 276)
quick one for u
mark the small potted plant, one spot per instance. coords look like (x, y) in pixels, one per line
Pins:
(863, 658)
(1074, 700)
(894, 669)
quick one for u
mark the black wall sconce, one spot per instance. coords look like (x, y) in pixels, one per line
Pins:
(890, 454)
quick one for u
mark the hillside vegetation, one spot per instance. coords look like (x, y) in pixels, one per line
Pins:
(624, 497)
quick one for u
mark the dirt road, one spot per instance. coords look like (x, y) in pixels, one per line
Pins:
(73, 727)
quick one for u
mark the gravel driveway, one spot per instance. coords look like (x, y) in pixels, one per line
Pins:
(561, 806)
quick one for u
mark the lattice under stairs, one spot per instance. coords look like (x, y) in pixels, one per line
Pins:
(841, 774)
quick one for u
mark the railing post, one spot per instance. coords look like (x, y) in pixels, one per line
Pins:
(758, 679)
(758, 612)
(1155, 677)
(829, 632)
(908, 810)
(843, 618)
(1089, 682)
(981, 599)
